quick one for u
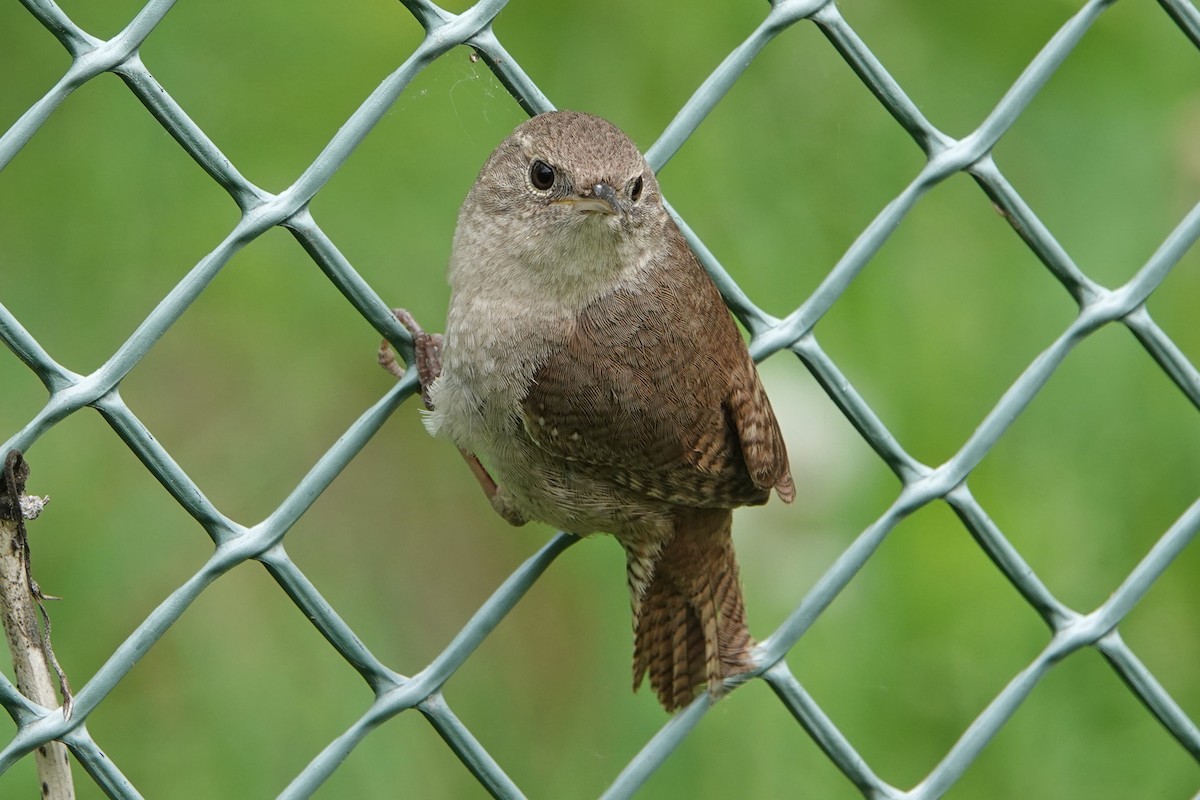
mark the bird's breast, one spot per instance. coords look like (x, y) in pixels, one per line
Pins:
(492, 348)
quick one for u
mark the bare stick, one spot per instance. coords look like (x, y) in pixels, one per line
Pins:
(20, 604)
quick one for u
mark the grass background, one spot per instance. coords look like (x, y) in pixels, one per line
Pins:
(102, 213)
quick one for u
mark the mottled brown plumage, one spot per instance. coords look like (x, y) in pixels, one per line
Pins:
(592, 368)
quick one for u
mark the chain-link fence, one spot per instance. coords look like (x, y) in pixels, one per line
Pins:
(1071, 629)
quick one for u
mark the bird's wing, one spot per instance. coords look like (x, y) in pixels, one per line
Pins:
(655, 392)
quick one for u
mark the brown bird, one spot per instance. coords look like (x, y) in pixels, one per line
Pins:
(594, 380)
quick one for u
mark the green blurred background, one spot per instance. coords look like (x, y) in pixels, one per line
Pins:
(102, 213)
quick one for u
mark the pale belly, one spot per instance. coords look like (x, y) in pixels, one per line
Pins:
(540, 486)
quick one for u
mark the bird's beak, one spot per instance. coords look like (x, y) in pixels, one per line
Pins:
(601, 200)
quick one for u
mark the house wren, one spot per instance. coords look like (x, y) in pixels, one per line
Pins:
(593, 378)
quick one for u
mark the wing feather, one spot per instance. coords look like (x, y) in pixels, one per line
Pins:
(656, 392)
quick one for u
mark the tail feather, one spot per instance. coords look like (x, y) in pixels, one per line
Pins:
(689, 623)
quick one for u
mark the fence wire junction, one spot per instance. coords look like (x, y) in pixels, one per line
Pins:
(921, 484)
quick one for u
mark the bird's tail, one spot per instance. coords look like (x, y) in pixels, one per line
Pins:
(689, 620)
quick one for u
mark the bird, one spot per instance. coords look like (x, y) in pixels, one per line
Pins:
(594, 380)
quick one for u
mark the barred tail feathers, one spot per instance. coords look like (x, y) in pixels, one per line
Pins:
(689, 617)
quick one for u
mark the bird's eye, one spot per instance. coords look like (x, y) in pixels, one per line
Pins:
(636, 191)
(541, 175)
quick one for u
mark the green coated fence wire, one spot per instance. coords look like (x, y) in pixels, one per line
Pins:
(1070, 630)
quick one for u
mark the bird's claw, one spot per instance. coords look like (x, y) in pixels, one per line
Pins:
(427, 352)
